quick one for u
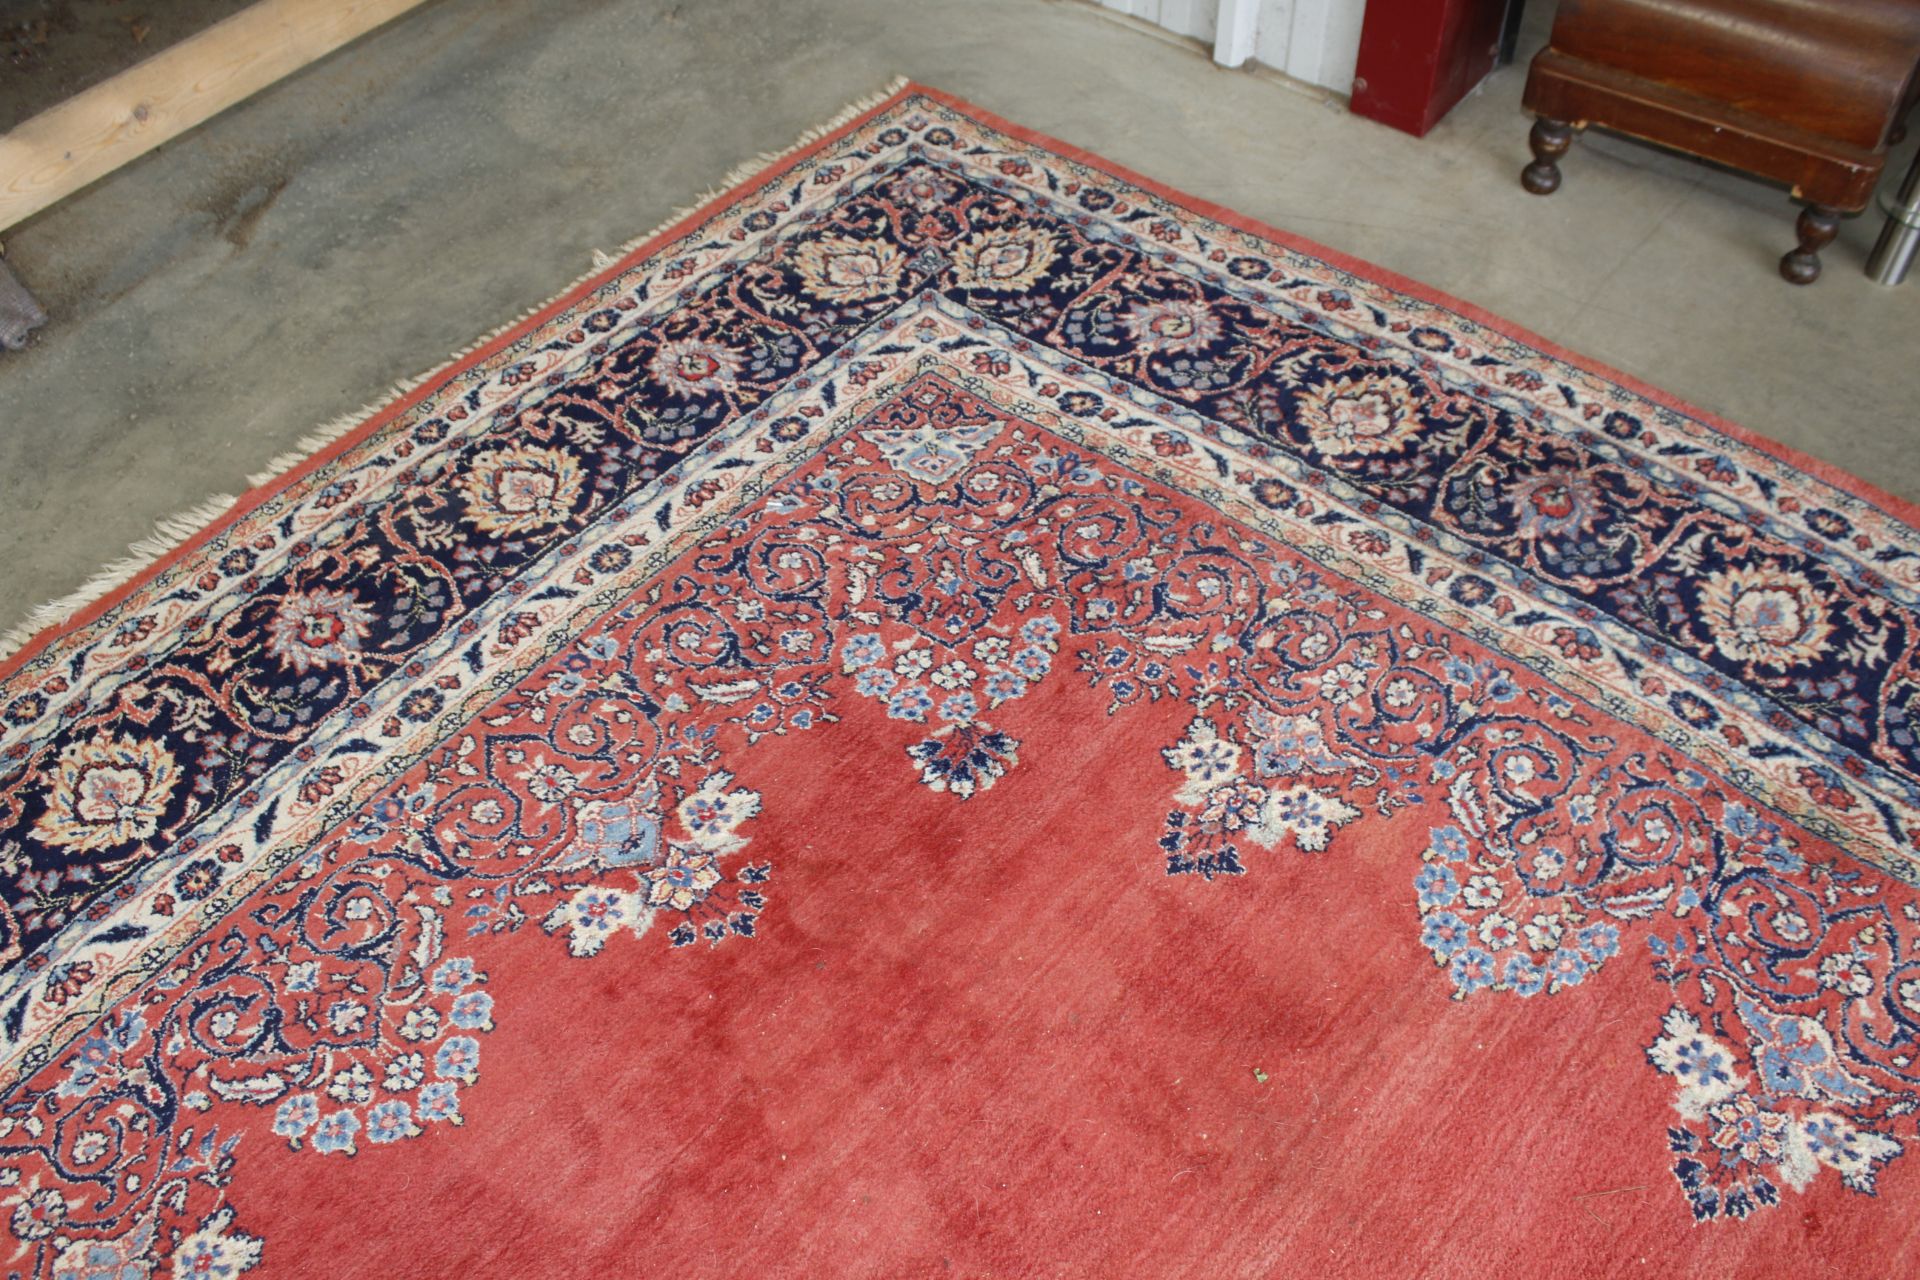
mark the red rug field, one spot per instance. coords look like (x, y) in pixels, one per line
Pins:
(959, 712)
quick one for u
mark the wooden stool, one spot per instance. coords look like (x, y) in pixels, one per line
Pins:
(1806, 95)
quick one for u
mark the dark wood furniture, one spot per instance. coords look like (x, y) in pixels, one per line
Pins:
(1804, 92)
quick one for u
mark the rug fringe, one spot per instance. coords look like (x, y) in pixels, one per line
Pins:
(167, 534)
(177, 529)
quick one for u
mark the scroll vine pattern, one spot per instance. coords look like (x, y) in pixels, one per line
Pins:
(942, 560)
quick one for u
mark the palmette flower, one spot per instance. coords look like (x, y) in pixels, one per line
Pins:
(107, 791)
(841, 269)
(318, 628)
(1559, 502)
(521, 489)
(692, 367)
(1004, 259)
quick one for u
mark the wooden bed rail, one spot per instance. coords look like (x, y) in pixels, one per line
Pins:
(94, 132)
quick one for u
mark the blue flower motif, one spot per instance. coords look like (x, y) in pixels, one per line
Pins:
(910, 703)
(1782, 857)
(1793, 1059)
(1033, 662)
(390, 1122)
(1743, 823)
(599, 909)
(1449, 843)
(1471, 970)
(473, 1011)
(336, 1133)
(458, 1059)
(1039, 631)
(603, 648)
(296, 1115)
(454, 974)
(1567, 967)
(862, 651)
(304, 976)
(1444, 933)
(802, 719)
(1701, 1062)
(1599, 941)
(1438, 886)
(1834, 1142)
(960, 708)
(1523, 975)
(1002, 685)
(567, 684)
(95, 1051)
(196, 1257)
(875, 682)
(440, 1101)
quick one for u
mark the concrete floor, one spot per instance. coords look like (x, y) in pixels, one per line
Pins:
(52, 49)
(285, 263)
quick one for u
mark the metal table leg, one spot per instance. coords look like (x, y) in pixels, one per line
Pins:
(1900, 241)
(20, 315)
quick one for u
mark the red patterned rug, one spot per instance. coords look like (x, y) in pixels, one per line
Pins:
(961, 712)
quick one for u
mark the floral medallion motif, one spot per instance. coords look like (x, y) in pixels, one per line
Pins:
(1360, 415)
(1764, 615)
(1178, 325)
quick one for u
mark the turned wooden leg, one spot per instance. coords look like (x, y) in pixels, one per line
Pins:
(1817, 227)
(1549, 140)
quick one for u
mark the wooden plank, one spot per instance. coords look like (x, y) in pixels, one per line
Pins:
(93, 133)
(1234, 32)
